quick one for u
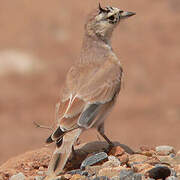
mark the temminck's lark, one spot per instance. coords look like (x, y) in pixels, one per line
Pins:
(91, 87)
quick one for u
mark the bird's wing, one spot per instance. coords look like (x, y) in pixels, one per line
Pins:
(87, 89)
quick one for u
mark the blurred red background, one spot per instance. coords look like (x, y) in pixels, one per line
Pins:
(39, 40)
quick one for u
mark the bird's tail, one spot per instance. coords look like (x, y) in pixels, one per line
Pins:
(62, 153)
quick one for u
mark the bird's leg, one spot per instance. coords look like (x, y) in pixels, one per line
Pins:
(101, 132)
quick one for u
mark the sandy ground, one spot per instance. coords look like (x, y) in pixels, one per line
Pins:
(39, 40)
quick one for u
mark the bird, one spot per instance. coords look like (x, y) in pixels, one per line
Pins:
(91, 86)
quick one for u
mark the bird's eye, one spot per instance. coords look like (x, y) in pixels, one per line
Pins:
(111, 18)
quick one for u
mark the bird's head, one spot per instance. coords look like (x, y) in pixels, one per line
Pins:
(102, 21)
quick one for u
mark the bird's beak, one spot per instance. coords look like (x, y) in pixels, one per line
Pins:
(126, 14)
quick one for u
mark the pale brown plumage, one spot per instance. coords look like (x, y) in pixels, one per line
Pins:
(91, 86)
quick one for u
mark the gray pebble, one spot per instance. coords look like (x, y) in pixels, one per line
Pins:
(137, 176)
(101, 178)
(126, 174)
(78, 171)
(113, 162)
(94, 159)
(165, 149)
(172, 155)
(19, 176)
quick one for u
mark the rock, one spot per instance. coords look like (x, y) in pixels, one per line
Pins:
(38, 177)
(92, 170)
(41, 168)
(78, 171)
(159, 172)
(172, 178)
(19, 176)
(115, 178)
(101, 178)
(153, 161)
(173, 172)
(117, 151)
(147, 151)
(40, 172)
(141, 167)
(137, 158)
(67, 176)
(137, 176)
(110, 172)
(169, 160)
(94, 159)
(113, 162)
(126, 174)
(77, 177)
(164, 150)
(124, 158)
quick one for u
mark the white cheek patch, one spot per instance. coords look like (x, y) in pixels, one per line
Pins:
(99, 17)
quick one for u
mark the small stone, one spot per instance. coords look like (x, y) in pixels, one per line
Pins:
(159, 172)
(92, 170)
(19, 176)
(137, 176)
(115, 178)
(141, 167)
(26, 169)
(40, 172)
(77, 177)
(30, 164)
(126, 175)
(124, 158)
(113, 162)
(78, 171)
(101, 178)
(38, 177)
(41, 168)
(172, 155)
(137, 158)
(117, 151)
(94, 159)
(172, 178)
(67, 176)
(173, 172)
(164, 150)
(110, 172)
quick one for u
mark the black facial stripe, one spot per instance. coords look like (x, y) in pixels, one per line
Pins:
(114, 21)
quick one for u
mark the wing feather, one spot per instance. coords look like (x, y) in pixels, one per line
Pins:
(86, 88)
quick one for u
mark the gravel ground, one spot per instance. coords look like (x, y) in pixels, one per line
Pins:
(93, 162)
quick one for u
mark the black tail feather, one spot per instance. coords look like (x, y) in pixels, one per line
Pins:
(56, 136)
(58, 133)
(59, 142)
(49, 140)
